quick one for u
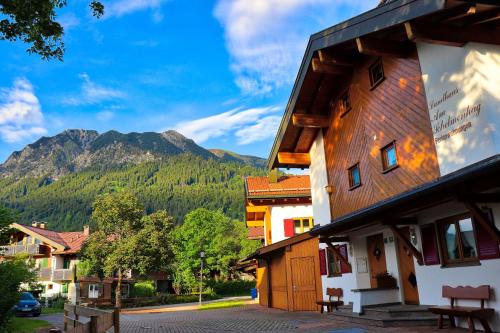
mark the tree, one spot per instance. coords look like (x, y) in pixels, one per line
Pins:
(34, 23)
(126, 241)
(14, 273)
(223, 240)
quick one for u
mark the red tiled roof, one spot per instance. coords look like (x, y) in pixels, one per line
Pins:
(255, 232)
(285, 186)
(72, 241)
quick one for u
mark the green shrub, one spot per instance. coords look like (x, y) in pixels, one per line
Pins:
(232, 287)
(143, 289)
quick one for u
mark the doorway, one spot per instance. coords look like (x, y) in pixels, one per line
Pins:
(407, 271)
(303, 284)
(376, 257)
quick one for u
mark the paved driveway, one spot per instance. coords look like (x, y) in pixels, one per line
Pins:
(250, 318)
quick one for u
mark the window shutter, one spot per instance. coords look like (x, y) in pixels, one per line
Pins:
(487, 246)
(322, 261)
(429, 245)
(344, 267)
(289, 228)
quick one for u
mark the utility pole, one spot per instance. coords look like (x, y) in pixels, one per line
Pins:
(202, 255)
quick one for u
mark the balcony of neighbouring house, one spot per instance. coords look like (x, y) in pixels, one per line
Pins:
(49, 274)
(31, 249)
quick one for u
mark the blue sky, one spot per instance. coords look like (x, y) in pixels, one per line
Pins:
(220, 72)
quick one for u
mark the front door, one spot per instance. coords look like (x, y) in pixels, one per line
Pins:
(376, 257)
(303, 284)
(407, 271)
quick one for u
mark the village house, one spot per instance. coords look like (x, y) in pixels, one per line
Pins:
(396, 113)
(55, 255)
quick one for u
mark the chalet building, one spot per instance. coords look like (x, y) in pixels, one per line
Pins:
(56, 257)
(279, 210)
(396, 113)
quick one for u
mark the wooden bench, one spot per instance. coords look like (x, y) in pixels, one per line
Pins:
(331, 303)
(482, 314)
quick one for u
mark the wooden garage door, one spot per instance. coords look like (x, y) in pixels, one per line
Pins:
(279, 298)
(303, 284)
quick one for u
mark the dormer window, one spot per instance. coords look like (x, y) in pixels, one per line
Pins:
(376, 71)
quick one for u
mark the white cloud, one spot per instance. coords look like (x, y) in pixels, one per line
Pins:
(68, 21)
(267, 38)
(105, 115)
(93, 93)
(20, 112)
(239, 122)
(120, 8)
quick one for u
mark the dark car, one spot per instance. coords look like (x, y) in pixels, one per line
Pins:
(28, 305)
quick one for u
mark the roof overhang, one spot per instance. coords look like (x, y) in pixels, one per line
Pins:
(281, 245)
(387, 23)
(476, 178)
(57, 246)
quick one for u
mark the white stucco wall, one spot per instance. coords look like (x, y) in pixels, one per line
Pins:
(463, 95)
(280, 213)
(319, 180)
(431, 278)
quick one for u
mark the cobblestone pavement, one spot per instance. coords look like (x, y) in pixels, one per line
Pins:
(251, 318)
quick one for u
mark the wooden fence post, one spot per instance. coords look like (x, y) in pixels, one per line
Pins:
(116, 320)
(93, 324)
(65, 320)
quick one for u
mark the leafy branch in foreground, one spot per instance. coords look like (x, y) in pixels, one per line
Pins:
(34, 23)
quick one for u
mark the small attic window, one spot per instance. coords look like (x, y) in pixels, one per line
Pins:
(345, 103)
(376, 72)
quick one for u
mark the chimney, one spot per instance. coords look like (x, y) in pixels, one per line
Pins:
(35, 224)
(86, 230)
(273, 176)
(42, 225)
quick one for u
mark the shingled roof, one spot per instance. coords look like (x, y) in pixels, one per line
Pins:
(285, 186)
(71, 241)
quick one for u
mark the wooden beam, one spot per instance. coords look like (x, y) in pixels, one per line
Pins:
(408, 244)
(451, 36)
(339, 239)
(256, 209)
(255, 223)
(480, 16)
(337, 253)
(294, 158)
(310, 120)
(479, 197)
(322, 68)
(483, 220)
(400, 221)
(378, 47)
(326, 58)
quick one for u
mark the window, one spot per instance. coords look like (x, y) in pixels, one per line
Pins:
(66, 263)
(44, 263)
(345, 103)
(458, 239)
(93, 291)
(64, 288)
(389, 157)
(354, 176)
(336, 266)
(303, 224)
(376, 71)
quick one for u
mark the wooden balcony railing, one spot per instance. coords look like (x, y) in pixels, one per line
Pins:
(49, 274)
(11, 250)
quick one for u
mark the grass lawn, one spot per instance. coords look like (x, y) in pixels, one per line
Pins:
(27, 325)
(221, 305)
(52, 310)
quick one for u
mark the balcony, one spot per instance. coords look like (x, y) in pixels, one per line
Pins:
(31, 249)
(49, 274)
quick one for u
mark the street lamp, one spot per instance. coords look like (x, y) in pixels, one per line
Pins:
(202, 255)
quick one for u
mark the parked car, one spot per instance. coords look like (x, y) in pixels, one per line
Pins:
(28, 305)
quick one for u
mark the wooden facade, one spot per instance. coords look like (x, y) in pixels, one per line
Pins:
(394, 111)
(289, 277)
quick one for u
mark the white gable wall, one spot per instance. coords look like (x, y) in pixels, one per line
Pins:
(280, 213)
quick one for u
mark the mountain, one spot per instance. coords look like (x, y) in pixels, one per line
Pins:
(56, 179)
(78, 150)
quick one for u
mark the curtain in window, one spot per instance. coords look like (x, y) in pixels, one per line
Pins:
(451, 241)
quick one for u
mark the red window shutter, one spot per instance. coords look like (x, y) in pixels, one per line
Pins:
(344, 267)
(429, 245)
(289, 228)
(322, 261)
(487, 246)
